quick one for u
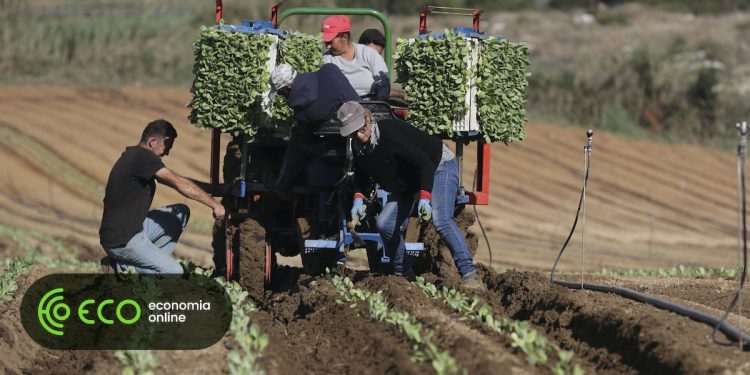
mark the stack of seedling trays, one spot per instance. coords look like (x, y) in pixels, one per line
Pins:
(465, 85)
(233, 64)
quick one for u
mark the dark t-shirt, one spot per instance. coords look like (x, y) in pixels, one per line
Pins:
(130, 190)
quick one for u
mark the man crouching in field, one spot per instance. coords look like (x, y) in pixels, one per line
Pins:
(131, 234)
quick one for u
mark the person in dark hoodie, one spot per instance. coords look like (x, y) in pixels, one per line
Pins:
(313, 97)
(408, 163)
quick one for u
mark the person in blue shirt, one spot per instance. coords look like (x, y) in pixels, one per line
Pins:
(313, 97)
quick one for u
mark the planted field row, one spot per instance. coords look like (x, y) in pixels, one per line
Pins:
(379, 309)
(535, 346)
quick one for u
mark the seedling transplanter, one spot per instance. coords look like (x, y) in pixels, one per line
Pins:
(719, 324)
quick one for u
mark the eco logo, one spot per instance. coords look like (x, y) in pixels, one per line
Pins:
(49, 311)
(112, 312)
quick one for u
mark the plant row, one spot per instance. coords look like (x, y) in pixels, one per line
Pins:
(16, 267)
(251, 342)
(529, 341)
(379, 309)
(699, 272)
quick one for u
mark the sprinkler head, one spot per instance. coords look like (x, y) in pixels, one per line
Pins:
(589, 133)
(742, 127)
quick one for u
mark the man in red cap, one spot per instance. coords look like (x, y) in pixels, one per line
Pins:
(363, 67)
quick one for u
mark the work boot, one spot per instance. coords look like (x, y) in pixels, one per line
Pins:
(108, 265)
(473, 282)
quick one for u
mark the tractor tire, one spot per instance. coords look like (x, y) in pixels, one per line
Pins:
(255, 259)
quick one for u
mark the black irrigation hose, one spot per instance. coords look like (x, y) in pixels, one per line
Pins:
(587, 150)
(718, 324)
(479, 221)
(741, 212)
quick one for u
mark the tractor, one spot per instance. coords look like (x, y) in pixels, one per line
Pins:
(312, 220)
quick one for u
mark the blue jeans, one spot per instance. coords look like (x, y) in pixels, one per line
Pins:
(150, 251)
(397, 210)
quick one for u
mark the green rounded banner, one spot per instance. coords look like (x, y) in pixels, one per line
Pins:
(112, 312)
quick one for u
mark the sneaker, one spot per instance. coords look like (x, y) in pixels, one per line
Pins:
(473, 282)
(108, 265)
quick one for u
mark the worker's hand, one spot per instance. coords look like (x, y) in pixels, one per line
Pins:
(424, 210)
(219, 211)
(358, 209)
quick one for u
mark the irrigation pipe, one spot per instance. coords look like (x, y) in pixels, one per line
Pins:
(719, 324)
(741, 232)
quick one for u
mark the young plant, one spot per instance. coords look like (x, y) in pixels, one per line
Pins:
(137, 362)
(379, 309)
(522, 337)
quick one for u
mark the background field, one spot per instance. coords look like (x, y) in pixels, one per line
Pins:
(81, 78)
(661, 86)
(648, 204)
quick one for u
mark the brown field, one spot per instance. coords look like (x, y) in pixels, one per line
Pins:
(648, 205)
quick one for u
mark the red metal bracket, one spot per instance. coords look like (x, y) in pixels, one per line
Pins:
(423, 18)
(219, 11)
(476, 14)
(481, 193)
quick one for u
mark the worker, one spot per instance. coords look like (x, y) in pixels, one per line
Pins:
(363, 67)
(314, 98)
(407, 163)
(374, 39)
(130, 234)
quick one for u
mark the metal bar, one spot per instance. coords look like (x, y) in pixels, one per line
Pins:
(348, 12)
(219, 11)
(454, 13)
(215, 144)
(452, 8)
(481, 193)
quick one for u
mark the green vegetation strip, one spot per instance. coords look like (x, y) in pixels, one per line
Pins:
(379, 309)
(534, 345)
(142, 362)
(682, 271)
(252, 342)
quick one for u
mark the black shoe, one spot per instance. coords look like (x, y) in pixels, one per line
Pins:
(108, 265)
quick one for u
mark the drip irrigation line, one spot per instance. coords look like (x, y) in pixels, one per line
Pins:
(693, 314)
(742, 232)
(587, 155)
(479, 221)
(717, 323)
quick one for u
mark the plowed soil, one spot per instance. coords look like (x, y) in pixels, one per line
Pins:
(649, 205)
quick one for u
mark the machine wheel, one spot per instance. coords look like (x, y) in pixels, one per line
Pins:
(256, 260)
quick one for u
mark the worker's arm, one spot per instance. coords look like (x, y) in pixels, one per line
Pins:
(218, 189)
(190, 190)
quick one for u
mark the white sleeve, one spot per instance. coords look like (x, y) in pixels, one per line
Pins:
(381, 85)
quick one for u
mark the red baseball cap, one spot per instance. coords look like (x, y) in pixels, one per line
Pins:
(334, 25)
